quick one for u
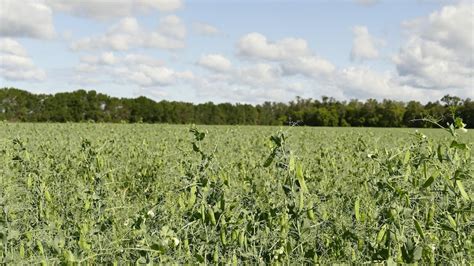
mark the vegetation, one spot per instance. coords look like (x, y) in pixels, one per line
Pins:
(80, 106)
(115, 193)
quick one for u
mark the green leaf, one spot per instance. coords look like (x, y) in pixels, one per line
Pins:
(13, 234)
(155, 246)
(458, 123)
(451, 130)
(269, 159)
(199, 258)
(277, 140)
(417, 253)
(68, 256)
(457, 145)
(141, 260)
(390, 262)
(428, 182)
(200, 136)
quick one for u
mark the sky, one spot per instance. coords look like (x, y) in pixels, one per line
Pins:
(240, 51)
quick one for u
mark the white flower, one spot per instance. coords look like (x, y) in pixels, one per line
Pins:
(175, 241)
(151, 213)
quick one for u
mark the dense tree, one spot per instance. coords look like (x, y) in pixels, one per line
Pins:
(414, 111)
(81, 105)
(466, 111)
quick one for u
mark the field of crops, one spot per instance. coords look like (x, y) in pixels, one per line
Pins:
(148, 194)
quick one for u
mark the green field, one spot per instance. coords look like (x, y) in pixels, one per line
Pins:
(139, 193)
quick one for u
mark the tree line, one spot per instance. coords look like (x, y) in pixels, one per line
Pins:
(83, 106)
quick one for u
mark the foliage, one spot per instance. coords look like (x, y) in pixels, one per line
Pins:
(90, 106)
(161, 194)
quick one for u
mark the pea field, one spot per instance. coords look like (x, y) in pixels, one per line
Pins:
(232, 195)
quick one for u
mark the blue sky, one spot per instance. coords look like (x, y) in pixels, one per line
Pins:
(240, 51)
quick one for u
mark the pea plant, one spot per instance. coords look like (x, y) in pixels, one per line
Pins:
(117, 194)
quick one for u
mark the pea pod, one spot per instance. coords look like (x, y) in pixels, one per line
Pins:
(22, 250)
(242, 239)
(235, 262)
(310, 211)
(381, 233)
(223, 237)
(430, 218)
(212, 217)
(186, 246)
(452, 222)
(301, 201)
(40, 247)
(300, 177)
(47, 196)
(310, 214)
(234, 235)
(192, 196)
(215, 256)
(419, 229)
(203, 213)
(357, 210)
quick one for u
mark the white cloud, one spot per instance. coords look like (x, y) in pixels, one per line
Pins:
(28, 18)
(15, 64)
(140, 59)
(137, 69)
(452, 26)
(289, 68)
(173, 27)
(266, 82)
(100, 9)
(317, 76)
(205, 29)
(215, 62)
(110, 59)
(427, 64)
(255, 45)
(258, 74)
(146, 76)
(363, 82)
(252, 83)
(127, 34)
(106, 58)
(151, 76)
(438, 53)
(310, 66)
(120, 36)
(12, 47)
(293, 55)
(364, 46)
(222, 90)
